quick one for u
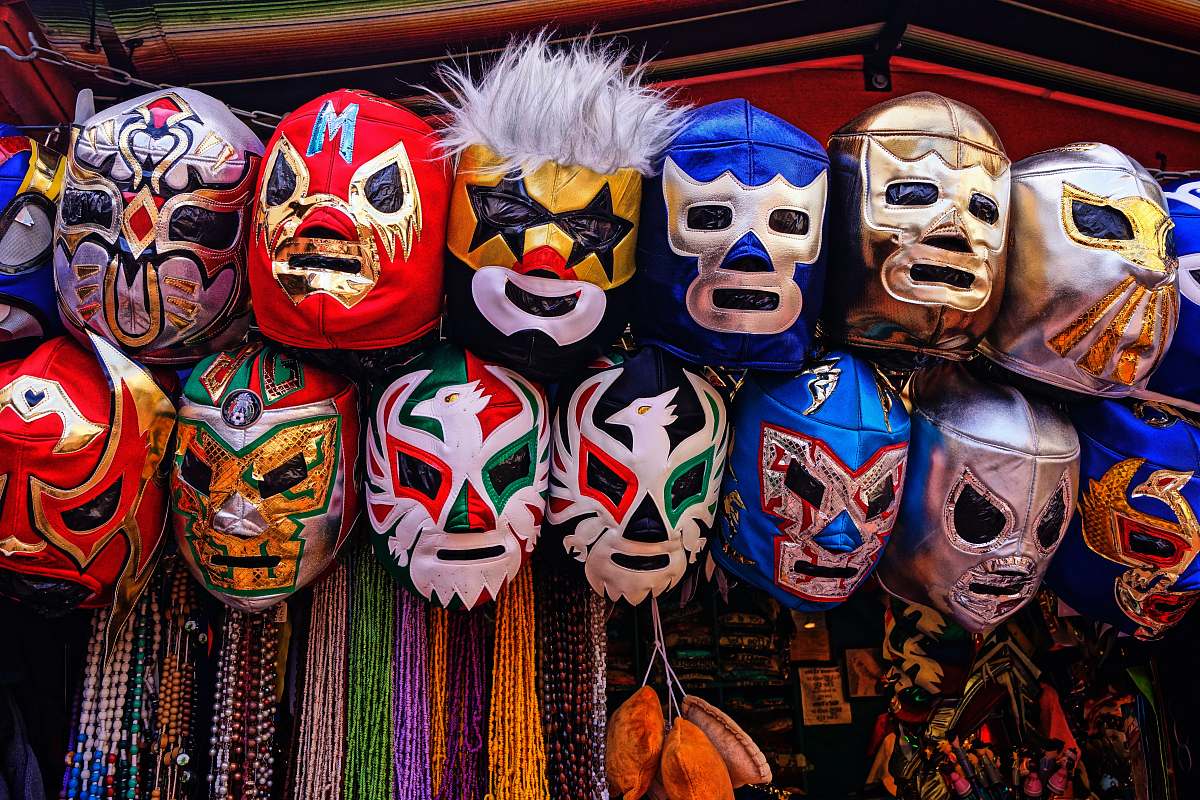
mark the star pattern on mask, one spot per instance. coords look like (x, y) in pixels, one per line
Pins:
(507, 210)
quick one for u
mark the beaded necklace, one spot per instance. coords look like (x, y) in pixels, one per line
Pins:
(369, 769)
(516, 748)
(411, 711)
(462, 778)
(321, 752)
(598, 610)
(182, 646)
(439, 623)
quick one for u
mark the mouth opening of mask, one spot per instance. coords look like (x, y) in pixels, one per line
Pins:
(940, 273)
(641, 563)
(471, 553)
(745, 299)
(997, 590)
(820, 571)
(247, 562)
(320, 261)
(539, 305)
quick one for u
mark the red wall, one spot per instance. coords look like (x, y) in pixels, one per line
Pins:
(818, 96)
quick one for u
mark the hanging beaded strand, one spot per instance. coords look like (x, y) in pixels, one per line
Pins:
(411, 713)
(369, 768)
(183, 644)
(598, 610)
(516, 748)
(462, 777)
(321, 755)
(439, 623)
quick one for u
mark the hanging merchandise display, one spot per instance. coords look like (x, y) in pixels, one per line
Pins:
(1091, 302)
(639, 449)
(1129, 557)
(551, 146)
(814, 481)
(30, 182)
(349, 225)
(82, 436)
(992, 480)
(264, 484)
(411, 711)
(1176, 381)
(457, 462)
(919, 216)
(149, 245)
(731, 258)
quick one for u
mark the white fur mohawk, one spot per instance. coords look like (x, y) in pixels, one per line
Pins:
(575, 104)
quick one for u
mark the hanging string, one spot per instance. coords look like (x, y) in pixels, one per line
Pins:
(438, 626)
(597, 607)
(516, 749)
(462, 777)
(369, 769)
(675, 691)
(321, 731)
(411, 711)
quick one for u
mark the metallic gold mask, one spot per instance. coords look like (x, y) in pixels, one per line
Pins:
(296, 259)
(558, 197)
(1156, 550)
(245, 526)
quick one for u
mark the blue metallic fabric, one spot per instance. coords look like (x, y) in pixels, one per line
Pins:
(1177, 380)
(742, 286)
(814, 481)
(28, 305)
(1129, 556)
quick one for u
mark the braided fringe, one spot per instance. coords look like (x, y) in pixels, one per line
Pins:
(411, 710)
(369, 770)
(321, 732)
(516, 747)
(462, 778)
(439, 623)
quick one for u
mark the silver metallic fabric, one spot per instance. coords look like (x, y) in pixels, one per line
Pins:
(992, 479)
(1091, 300)
(918, 225)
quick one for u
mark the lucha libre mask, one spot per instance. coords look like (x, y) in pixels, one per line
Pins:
(1129, 557)
(149, 241)
(920, 213)
(1091, 301)
(639, 448)
(349, 225)
(263, 490)
(1176, 381)
(814, 481)
(991, 485)
(544, 210)
(732, 268)
(30, 182)
(458, 455)
(82, 437)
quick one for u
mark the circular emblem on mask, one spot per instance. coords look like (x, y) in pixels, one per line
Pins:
(241, 409)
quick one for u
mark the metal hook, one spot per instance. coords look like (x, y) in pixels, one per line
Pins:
(15, 56)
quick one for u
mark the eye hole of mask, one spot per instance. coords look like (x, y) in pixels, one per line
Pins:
(384, 190)
(791, 221)
(414, 473)
(709, 217)
(503, 210)
(1147, 544)
(984, 208)
(96, 511)
(1050, 525)
(1172, 251)
(85, 207)
(802, 483)
(283, 477)
(912, 193)
(282, 183)
(591, 231)
(601, 478)
(687, 485)
(1100, 222)
(976, 519)
(216, 230)
(880, 497)
(510, 470)
(26, 229)
(195, 472)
